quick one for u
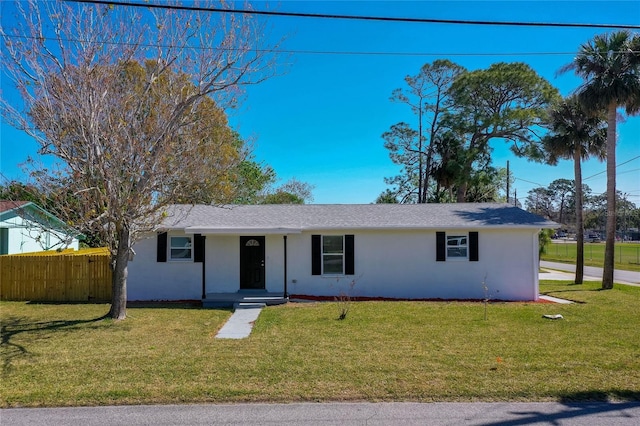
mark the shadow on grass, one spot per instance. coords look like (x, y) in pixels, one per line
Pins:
(616, 405)
(14, 326)
(54, 303)
(558, 293)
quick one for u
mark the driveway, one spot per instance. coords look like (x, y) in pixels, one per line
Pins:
(619, 276)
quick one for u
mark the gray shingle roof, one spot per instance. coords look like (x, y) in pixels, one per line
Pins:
(296, 218)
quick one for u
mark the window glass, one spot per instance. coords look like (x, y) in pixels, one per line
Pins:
(332, 244)
(180, 248)
(456, 246)
(333, 254)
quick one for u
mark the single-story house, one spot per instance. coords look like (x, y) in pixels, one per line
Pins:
(395, 251)
(25, 227)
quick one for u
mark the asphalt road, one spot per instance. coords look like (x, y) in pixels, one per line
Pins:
(397, 413)
(619, 276)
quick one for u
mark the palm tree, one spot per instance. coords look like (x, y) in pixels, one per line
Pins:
(610, 66)
(576, 135)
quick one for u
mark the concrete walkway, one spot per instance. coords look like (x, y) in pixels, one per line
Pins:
(555, 299)
(240, 324)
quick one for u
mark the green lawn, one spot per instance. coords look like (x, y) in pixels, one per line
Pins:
(627, 255)
(60, 355)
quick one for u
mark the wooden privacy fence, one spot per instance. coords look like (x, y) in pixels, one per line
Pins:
(68, 276)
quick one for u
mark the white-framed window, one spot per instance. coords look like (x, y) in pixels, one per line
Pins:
(457, 247)
(333, 255)
(180, 248)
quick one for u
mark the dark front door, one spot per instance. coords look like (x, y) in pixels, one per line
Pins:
(252, 263)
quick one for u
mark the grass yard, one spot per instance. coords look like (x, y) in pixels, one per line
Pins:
(627, 255)
(61, 355)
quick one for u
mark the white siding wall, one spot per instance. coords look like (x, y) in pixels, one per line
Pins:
(398, 264)
(25, 237)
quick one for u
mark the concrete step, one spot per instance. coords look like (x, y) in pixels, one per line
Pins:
(249, 305)
(228, 300)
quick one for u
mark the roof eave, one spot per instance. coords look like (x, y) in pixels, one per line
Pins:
(238, 231)
(212, 230)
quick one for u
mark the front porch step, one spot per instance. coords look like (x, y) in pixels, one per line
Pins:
(246, 299)
(249, 305)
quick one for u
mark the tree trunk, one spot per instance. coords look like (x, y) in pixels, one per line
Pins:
(427, 171)
(461, 193)
(577, 168)
(610, 229)
(118, 309)
(420, 166)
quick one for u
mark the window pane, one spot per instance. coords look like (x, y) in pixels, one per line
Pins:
(332, 264)
(456, 246)
(183, 242)
(180, 248)
(332, 244)
(456, 241)
(456, 252)
(181, 253)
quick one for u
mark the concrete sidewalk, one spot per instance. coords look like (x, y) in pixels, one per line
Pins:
(240, 324)
(549, 274)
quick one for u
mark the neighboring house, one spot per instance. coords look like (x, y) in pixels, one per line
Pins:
(26, 228)
(396, 251)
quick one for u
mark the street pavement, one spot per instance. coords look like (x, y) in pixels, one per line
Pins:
(347, 414)
(619, 276)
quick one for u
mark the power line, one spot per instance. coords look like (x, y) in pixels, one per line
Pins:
(617, 165)
(528, 181)
(627, 171)
(304, 52)
(357, 17)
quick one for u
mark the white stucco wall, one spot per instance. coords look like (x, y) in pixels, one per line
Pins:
(399, 264)
(223, 263)
(403, 265)
(170, 280)
(27, 237)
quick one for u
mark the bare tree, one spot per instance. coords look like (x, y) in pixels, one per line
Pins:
(116, 94)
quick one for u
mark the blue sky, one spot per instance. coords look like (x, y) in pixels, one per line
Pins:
(321, 120)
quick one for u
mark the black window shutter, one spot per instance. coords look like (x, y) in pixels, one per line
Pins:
(198, 248)
(473, 246)
(316, 255)
(441, 249)
(162, 247)
(349, 255)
